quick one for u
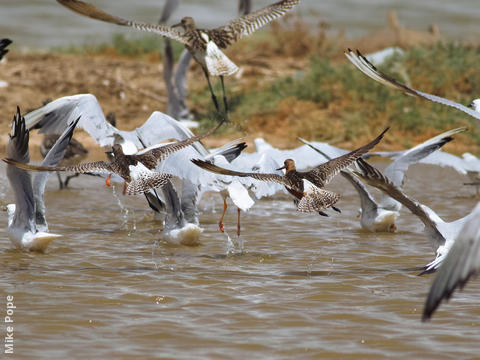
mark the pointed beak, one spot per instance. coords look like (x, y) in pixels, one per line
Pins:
(281, 168)
(177, 25)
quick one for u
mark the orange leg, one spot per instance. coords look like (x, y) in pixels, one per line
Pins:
(220, 222)
(107, 180)
(238, 222)
(124, 187)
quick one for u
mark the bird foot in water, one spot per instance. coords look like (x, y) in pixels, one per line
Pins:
(336, 209)
(221, 227)
(107, 180)
(322, 213)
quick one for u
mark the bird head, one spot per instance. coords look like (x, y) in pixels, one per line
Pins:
(288, 165)
(117, 150)
(475, 105)
(187, 23)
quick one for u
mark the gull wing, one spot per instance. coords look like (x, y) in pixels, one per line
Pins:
(249, 23)
(461, 263)
(375, 178)
(93, 12)
(396, 170)
(54, 156)
(20, 180)
(372, 72)
(323, 173)
(3, 44)
(161, 152)
(54, 117)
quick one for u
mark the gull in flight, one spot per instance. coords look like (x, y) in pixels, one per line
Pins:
(203, 44)
(440, 233)
(27, 226)
(372, 72)
(461, 263)
(137, 170)
(307, 187)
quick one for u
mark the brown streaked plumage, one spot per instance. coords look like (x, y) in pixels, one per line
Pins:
(138, 179)
(203, 44)
(314, 198)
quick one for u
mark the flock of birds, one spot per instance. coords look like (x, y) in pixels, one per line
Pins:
(173, 175)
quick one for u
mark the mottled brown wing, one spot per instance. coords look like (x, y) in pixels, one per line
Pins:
(259, 176)
(317, 200)
(162, 152)
(145, 183)
(93, 12)
(249, 23)
(323, 173)
(97, 166)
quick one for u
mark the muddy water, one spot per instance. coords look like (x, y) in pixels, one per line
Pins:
(304, 287)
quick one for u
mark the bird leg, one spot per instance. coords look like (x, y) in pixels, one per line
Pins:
(220, 222)
(238, 222)
(322, 213)
(225, 103)
(124, 187)
(67, 179)
(107, 180)
(336, 209)
(60, 180)
(214, 98)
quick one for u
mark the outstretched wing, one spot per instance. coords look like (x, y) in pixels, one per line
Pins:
(462, 262)
(259, 176)
(249, 23)
(375, 178)
(90, 167)
(53, 157)
(323, 173)
(20, 181)
(93, 12)
(372, 72)
(161, 152)
(3, 44)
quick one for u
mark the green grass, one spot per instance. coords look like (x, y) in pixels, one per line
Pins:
(447, 70)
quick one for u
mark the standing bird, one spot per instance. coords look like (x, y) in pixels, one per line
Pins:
(203, 44)
(27, 226)
(137, 170)
(306, 186)
(3, 44)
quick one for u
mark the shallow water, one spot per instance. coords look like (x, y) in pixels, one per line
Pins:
(305, 286)
(39, 23)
